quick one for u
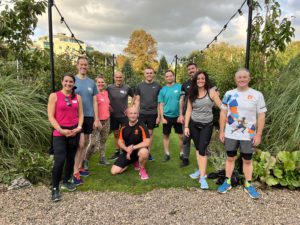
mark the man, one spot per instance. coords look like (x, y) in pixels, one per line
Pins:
(168, 99)
(146, 100)
(87, 89)
(118, 96)
(192, 68)
(134, 141)
(242, 120)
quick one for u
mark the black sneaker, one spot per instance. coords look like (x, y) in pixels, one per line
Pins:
(55, 195)
(166, 158)
(150, 157)
(181, 156)
(68, 186)
(185, 162)
(103, 162)
(115, 155)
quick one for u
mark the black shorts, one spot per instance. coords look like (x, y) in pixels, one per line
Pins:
(117, 122)
(88, 125)
(172, 122)
(122, 161)
(148, 120)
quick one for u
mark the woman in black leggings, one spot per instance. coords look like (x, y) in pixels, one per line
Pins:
(65, 114)
(199, 119)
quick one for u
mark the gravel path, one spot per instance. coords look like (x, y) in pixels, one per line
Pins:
(170, 206)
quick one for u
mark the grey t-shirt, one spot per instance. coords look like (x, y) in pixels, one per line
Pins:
(148, 93)
(202, 110)
(86, 88)
(118, 97)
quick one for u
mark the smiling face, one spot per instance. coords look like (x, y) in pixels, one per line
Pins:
(201, 80)
(82, 66)
(67, 83)
(169, 77)
(242, 79)
(132, 114)
(118, 78)
(100, 84)
(192, 69)
(149, 75)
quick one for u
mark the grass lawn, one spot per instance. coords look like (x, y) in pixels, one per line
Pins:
(162, 175)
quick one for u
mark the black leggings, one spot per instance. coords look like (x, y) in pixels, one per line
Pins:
(64, 154)
(201, 135)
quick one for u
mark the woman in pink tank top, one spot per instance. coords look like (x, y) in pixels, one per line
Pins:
(99, 136)
(65, 114)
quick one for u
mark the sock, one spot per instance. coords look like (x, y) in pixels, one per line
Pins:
(228, 180)
(247, 183)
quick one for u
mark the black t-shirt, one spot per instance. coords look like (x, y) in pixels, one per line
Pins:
(185, 88)
(133, 135)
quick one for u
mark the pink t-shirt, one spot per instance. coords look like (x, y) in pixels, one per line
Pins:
(103, 105)
(66, 111)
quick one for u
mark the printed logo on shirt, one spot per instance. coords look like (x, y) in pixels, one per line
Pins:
(250, 97)
(188, 86)
(175, 91)
(102, 99)
(90, 89)
(123, 92)
(153, 87)
(74, 101)
(136, 131)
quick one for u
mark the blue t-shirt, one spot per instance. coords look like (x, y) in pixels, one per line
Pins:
(86, 88)
(169, 96)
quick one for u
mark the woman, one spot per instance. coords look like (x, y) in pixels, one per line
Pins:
(65, 114)
(99, 136)
(199, 119)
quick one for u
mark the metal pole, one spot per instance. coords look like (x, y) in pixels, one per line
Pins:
(176, 61)
(250, 6)
(113, 67)
(50, 4)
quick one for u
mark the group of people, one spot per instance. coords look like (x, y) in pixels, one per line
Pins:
(84, 112)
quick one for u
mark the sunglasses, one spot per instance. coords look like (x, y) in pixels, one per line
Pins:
(68, 103)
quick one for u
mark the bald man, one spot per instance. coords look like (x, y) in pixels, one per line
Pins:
(134, 141)
(118, 94)
(242, 121)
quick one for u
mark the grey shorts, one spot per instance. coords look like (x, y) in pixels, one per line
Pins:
(245, 147)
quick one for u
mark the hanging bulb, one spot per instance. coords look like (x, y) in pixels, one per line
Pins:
(216, 38)
(240, 12)
(62, 20)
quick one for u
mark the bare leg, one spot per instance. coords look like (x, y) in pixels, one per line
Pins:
(151, 138)
(143, 156)
(203, 163)
(166, 141)
(247, 169)
(117, 170)
(180, 143)
(81, 151)
(229, 167)
(116, 137)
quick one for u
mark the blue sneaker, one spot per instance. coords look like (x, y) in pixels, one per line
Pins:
(203, 183)
(77, 180)
(84, 173)
(251, 192)
(224, 187)
(195, 175)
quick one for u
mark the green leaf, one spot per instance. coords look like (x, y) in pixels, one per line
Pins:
(277, 172)
(271, 181)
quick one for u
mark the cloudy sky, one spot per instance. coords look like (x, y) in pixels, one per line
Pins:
(179, 26)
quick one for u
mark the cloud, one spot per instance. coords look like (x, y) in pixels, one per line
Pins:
(178, 26)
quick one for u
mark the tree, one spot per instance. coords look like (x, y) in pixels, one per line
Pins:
(162, 68)
(18, 23)
(141, 49)
(130, 77)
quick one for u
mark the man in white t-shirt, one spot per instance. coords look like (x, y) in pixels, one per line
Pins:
(242, 120)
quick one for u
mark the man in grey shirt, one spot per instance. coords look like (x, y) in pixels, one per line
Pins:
(146, 99)
(118, 96)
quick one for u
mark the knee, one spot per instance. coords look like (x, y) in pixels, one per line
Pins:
(231, 159)
(247, 162)
(115, 170)
(143, 153)
(202, 152)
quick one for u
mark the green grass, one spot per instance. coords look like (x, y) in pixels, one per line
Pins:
(162, 175)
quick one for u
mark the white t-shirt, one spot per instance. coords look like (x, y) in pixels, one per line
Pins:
(242, 109)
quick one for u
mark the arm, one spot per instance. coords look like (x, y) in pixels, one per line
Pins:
(222, 123)
(215, 97)
(96, 118)
(260, 126)
(181, 104)
(51, 113)
(136, 102)
(158, 115)
(80, 117)
(187, 119)
(161, 112)
(144, 144)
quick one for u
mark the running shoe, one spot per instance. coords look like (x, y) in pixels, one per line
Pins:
(55, 195)
(68, 186)
(103, 162)
(185, 162)
(143, 174)
(84, 173)
(136, 165)
(115, 155)
(166, 158)
(77, 180)
(195, 175)
(203, 183)
(251, 192)
(224, 187)
(150, 157)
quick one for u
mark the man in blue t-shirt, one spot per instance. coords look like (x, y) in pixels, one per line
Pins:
(87, 89)
(168, 99)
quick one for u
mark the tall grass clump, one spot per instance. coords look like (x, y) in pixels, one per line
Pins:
(24, 129)
(283, 116)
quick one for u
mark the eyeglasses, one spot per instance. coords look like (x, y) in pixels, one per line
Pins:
(68, 103)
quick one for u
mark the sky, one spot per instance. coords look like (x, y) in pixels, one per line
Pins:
(179, 26)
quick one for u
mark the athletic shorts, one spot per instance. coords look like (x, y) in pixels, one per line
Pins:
(123, 162)
(117, 122)
(172, 122)
(149, 120)
(88, 125)
(246, 148)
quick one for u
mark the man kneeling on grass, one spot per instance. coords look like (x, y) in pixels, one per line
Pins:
(134, 141)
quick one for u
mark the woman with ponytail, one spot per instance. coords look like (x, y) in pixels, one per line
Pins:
(65, 114)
